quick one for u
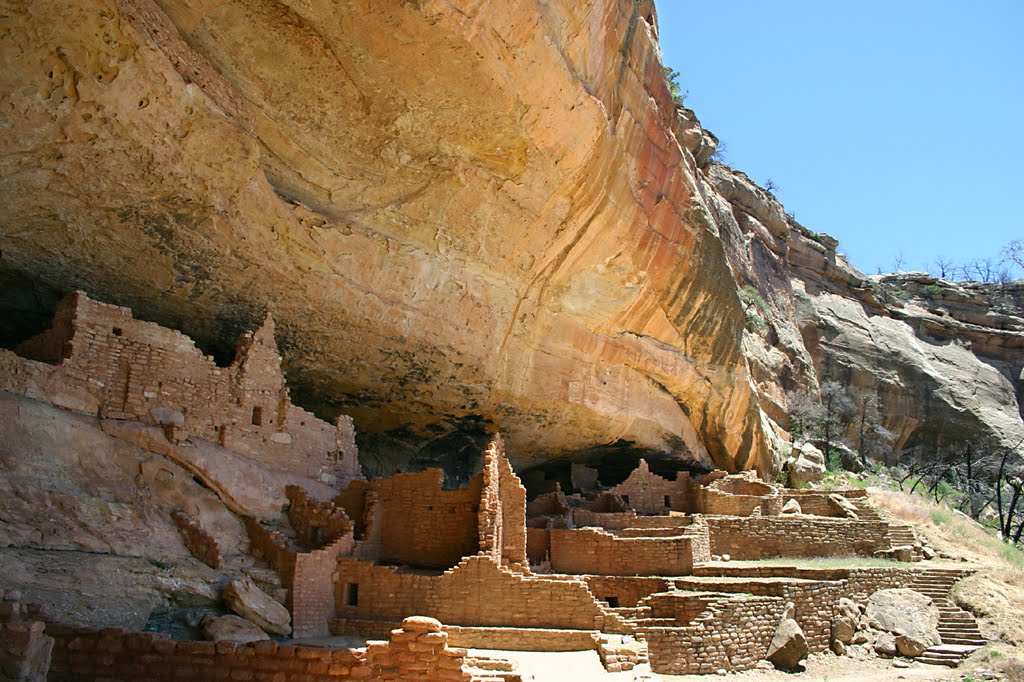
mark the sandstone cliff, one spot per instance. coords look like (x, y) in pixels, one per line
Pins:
(463, 216)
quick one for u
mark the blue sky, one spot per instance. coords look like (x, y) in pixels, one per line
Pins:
(896, 126)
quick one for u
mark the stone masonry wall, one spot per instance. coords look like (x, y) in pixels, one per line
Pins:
(733, 634)
(202, 545)
(757, 537)
(116, 367)
(416, 522)
(316, 523)
(476, 592)
(416, 651)
(648, 493)
(502, 518)
(593, 551)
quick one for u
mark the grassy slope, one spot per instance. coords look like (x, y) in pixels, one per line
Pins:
(995, 595)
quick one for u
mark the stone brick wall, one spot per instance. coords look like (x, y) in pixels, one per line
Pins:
(733, 633)
(316, 523)
(626, 591)
(41, 649)
(25, 651)
(202, 545)
(476, 592)
(116, 367)
(274, 548)
(756, 537)
(538, 544)
(502, 518)
(648, 493)
(416, 522)
(584, 518)
(594, 551)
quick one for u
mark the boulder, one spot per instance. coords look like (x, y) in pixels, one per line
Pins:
(845, 505)
(232, 629)
(249, 601)
(885, 645)
(843, 629)
(805, 465)
(906, 614)
(928, 553)
(792, 507)
(911, 646)
(789, 645)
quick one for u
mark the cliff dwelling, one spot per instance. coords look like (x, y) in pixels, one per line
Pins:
(653, 573)
(439, 341)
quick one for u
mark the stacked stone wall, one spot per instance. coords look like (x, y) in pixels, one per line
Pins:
(594, 551)
(414, 521)
(113, 366)
(316, 523)
(627, 591)
(477, 592)
(732, 634)
(502, 517)
(648, 493)
(760, 537)
(583, 518)
(201, 544)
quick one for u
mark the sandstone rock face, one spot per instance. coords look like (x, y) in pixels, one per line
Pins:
(909, 615)
(498, 221)
(452, 237)
(255, 605)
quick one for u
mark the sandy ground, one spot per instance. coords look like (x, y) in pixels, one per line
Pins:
(585, 666)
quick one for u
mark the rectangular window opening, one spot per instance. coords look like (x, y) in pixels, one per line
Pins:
(352, 594)
(612, 602)
(668, 502)
(257, 416)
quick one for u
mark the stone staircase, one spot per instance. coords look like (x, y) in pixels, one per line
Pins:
(957, 628)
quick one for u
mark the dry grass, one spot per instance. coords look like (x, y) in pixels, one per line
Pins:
(995, 595)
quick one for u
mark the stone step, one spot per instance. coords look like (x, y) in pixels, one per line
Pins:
(967, 641)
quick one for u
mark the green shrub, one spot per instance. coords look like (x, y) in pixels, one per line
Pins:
(941, 517)
(931, 289)
(672, 79)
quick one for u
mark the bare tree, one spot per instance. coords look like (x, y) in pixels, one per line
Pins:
(899, 261)
(867, 415)
(980, 270)
(837, 408)
(945, 266)
(1014, 253)
(805, 413)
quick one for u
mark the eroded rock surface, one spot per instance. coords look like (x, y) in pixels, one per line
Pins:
(454, 211)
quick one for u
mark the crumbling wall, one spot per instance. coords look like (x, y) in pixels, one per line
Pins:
(478, 591)
(111, 365)
(593, 551)
(202, 545)
(740, 495)
(648, 493)
(416, 523)
(502, 519)
(316, 523)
